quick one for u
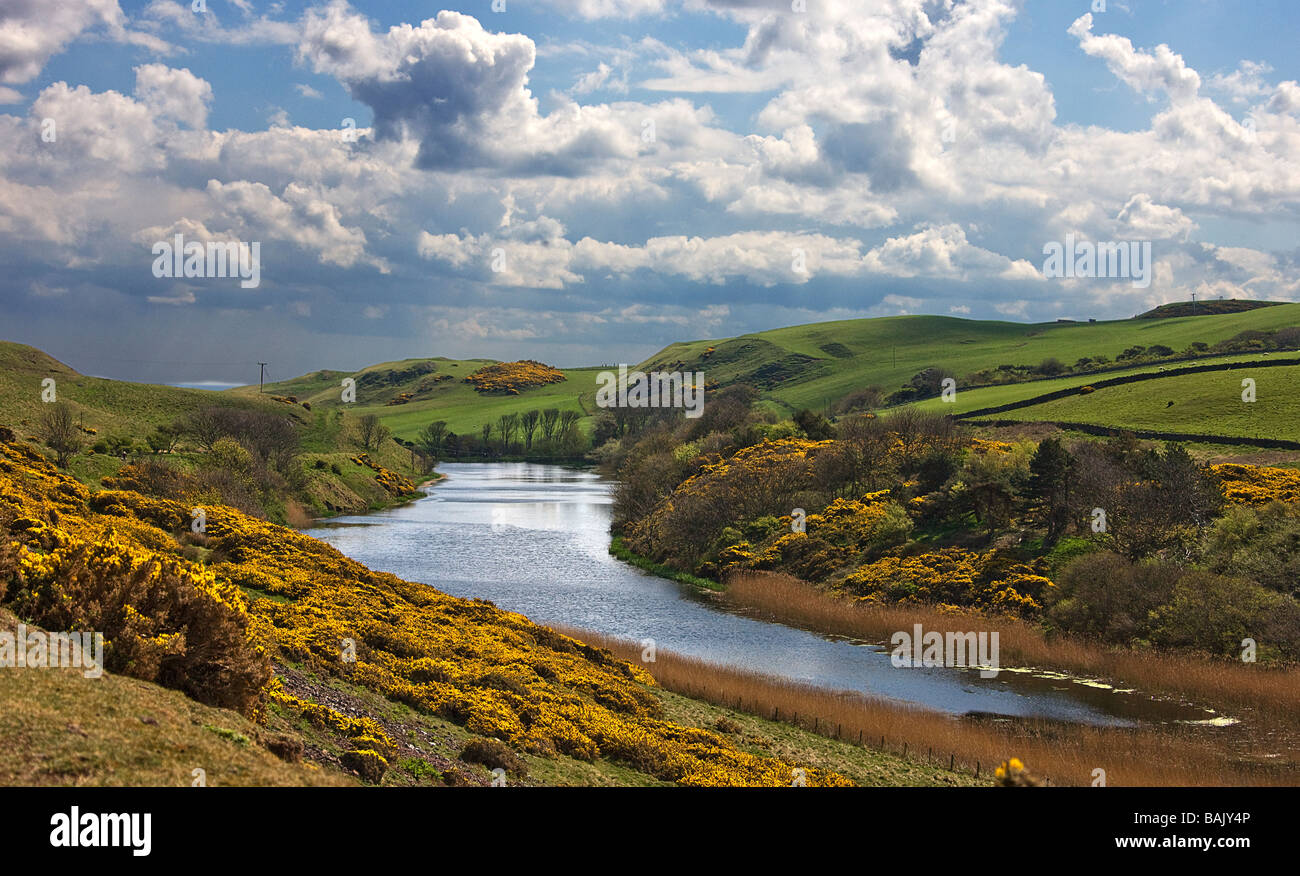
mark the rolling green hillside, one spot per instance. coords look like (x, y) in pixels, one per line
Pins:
(104, 404)
(801, 366)
(119, 409)
(104, 407)
(438, 392)
(812, 365)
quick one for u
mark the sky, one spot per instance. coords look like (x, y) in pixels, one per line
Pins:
(585, 181)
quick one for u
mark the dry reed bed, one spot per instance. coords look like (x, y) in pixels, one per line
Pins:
(1066, 754)
(1269, 694)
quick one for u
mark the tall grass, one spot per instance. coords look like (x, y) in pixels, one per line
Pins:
(1066, 754)
(1266, 693)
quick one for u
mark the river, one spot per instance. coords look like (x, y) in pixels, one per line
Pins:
(534, 539)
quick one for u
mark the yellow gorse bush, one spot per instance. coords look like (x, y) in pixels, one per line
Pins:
(951, 576)
(391, 481)
(1257, 485)
(511, 377)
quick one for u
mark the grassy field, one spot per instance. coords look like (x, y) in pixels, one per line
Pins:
(1208, 403)
(450, 399)
(980, 397)
(824, 361)
(795, 367)
(59, 728)
(111, 407)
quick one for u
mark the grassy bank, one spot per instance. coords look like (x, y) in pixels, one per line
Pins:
(58, 727)
(618, 549)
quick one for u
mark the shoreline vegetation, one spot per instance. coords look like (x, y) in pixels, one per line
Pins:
(1064, 753)
(1270, 693)
(621, 551)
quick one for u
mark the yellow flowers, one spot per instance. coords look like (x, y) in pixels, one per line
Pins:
(391, 481)
(274, 594)
(1257, 484)
(953, 576)
(510, 377)
(1013, 774)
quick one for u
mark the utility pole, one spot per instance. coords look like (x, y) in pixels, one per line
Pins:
(1193, 304)
(261, 377)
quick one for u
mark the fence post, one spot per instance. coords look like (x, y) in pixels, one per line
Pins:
(904, 751)
(952, 759)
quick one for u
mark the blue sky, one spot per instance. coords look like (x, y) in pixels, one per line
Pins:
(585, 181)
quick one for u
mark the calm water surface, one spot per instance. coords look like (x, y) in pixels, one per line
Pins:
(534, 539)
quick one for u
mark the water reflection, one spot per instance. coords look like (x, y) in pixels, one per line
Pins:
(534, 539)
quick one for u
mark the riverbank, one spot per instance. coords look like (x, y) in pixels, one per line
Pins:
(621, 551)
(1266, 694)
(1062, 753)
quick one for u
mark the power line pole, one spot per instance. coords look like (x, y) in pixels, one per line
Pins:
(261, 377)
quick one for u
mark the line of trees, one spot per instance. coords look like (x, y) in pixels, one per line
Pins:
(536, 432)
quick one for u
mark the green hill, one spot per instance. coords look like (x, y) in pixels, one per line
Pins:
(802, 366)
(129, 412)
(1204, 308)
(103, 407)
(437, 391)
(103, 404)
(981, 397)
(814, 365)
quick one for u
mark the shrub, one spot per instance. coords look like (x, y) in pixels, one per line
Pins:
(1107, 596)
(1216, 613)
(370, 765)
(163, 620)
(493, 754)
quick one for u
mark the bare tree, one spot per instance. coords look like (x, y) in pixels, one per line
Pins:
(371, 432)
(529, 422)
(207, 426)
(550, 419)
(568, 426)
(431, 437)
(508, 426)
(58, 429)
